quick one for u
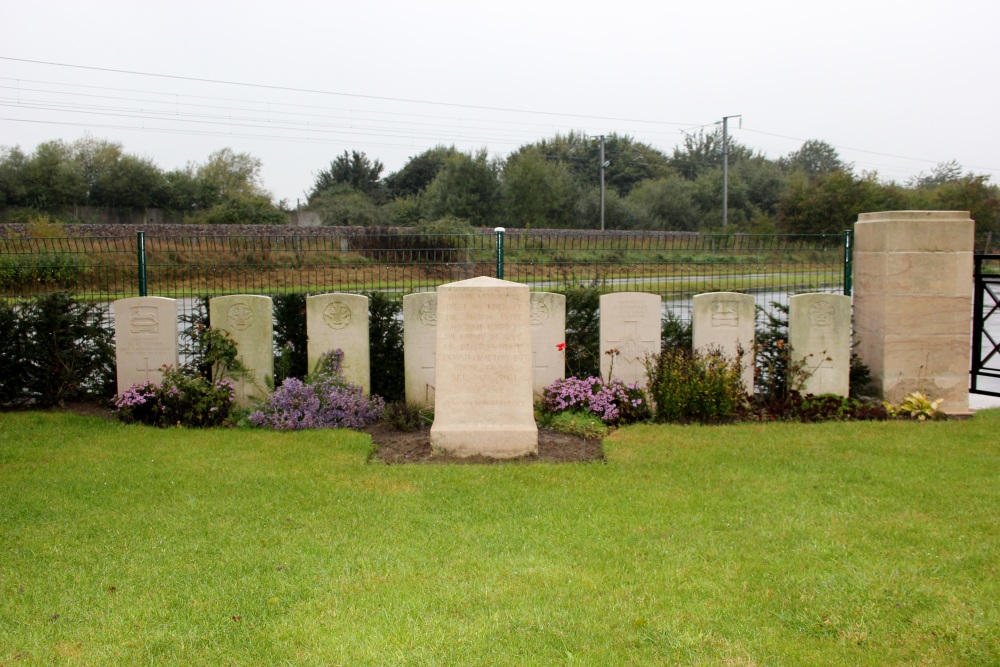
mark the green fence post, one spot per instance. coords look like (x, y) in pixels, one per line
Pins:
(500, 232)
(141, 245)
(848, 261)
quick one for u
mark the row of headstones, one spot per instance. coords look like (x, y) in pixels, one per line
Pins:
(819, 333)
(146, 337)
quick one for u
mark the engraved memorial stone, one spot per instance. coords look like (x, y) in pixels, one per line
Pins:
(340, 321)
(548, 330)
(145, 339)
(483, 403)
(630, 323)
(819, 333)
(419, 340)
(247, 318)
(725, 321)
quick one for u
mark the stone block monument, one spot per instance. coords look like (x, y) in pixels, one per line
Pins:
(483, 404)
(913, 303)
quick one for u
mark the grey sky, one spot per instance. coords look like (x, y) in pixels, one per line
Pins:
(896, 86)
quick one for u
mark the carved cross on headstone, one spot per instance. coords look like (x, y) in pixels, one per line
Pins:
(146, 370)
(630, 348)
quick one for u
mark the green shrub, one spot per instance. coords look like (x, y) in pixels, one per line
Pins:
(179, 400)
(583, 332)
(405, 417)
(290, 338)
(55, 350)
(28, 271)
(705, 387)
(385, 339)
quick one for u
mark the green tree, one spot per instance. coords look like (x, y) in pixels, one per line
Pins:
(539, 192)
(353, 169)
(814, 159)
(702, 152)
(418, 172)
(52, 178)
(228, 174)
(665, 204)
(343, 206)
(467, 187)
(831, 203)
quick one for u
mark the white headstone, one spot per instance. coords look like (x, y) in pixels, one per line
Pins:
(630, 324)
(419, 341)
(340, 321)
(483, 370)
(725, 321)
(248, 320)
(819, 333)
(145, 339)
(548, 331)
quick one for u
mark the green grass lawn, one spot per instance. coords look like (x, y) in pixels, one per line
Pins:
(829, 544)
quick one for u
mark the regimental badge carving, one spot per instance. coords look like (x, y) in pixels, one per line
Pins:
(539, 312)
(821, 314)
(726, 314)
(240, 316)
(429, 313)
(337, 315)
(144, 320)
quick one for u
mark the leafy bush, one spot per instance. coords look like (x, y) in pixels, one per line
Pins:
(290, 337)
(325, 400)
(705, 387)
(583, 331)
(916, 406)
(612, 402)
(179, 400)
(675, 332)
(385, 336)
(55, 349)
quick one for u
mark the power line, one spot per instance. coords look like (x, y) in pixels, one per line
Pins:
(336, 93)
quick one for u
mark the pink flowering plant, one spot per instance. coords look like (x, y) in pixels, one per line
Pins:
(325, 400)
(613, 402)
(180, 399)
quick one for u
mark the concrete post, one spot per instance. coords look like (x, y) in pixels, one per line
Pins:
(913, 303)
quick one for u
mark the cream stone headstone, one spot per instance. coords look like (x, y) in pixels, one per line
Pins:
(340, 321)
(548, 331)
(913, 303)
(483, 403)
(819, 333)
(419, 340)
(248, 320)
(145, 339)
(630, 324)
(725, 321)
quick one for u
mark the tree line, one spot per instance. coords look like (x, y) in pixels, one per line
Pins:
(552, 184)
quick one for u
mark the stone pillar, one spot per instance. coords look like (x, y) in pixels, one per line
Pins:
(913, 303)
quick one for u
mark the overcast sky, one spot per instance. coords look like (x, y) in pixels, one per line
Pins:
(896, 86)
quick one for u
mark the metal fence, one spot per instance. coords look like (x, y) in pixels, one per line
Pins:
(674, 265)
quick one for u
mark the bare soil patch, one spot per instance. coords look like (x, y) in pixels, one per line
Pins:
(393, 446)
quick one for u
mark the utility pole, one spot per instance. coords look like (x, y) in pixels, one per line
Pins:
(725, 167)
(603, 165)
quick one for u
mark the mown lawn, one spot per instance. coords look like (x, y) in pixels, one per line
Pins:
(831, 544)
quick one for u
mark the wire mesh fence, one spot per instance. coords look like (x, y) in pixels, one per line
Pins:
(673, 265)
